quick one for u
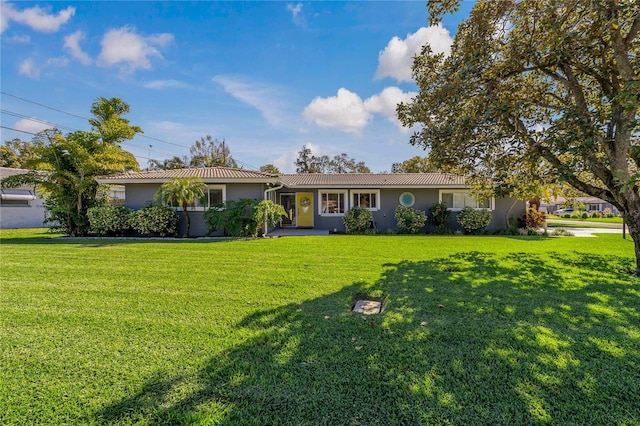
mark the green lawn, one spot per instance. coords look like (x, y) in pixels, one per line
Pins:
(476, 330)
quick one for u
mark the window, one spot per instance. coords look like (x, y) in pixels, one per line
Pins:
(213, 197)
(457, 200)
(16, 197)
(367, 199)
(332, 202)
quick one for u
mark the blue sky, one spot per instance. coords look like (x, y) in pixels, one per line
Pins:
(268, 77)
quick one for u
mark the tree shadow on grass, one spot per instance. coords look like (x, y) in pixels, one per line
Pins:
(472, 338)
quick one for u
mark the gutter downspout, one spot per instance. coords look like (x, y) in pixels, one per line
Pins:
(275, 188)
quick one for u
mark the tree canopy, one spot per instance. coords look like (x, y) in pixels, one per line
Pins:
(415, 164)
(208, 152)
(537, 91)
(307, 162)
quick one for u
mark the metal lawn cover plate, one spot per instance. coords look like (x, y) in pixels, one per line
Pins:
(367, 307)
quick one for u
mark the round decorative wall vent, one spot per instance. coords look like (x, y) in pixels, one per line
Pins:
(407, 199)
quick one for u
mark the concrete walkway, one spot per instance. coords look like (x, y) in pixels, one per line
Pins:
(295, 232)
(589, 232)
(585, 223)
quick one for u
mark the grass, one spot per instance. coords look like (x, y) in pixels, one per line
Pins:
(476, 330)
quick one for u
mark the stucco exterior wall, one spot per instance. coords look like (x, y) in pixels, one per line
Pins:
(137, 195)
(23, 216)
(424, 198)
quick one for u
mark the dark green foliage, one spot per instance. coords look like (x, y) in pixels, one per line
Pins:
(596, 215)
(533, 219)
(357, 220)
(473, 221)
(235, 218)
(268, 213)
(155, 220)
(109, 220)
(410, 220)
(439, 217)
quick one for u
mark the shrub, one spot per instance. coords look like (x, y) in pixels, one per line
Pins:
(155, 220)
(269, 213)
(235, 218)
(533, 219)
(357, 220)
(109, 220)
(472, 221)
(596, 215)
(566, 216)
(439, 217)
(584, 215)
(410, 220)
(576, 215)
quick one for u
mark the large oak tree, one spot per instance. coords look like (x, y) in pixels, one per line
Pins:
(537, 90)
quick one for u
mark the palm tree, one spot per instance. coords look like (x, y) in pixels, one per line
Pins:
(182, 191)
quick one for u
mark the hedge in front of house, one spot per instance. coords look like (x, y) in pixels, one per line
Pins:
(473, 221)
(358, 220)
(410, 220)
(155, 220)
(109, 220)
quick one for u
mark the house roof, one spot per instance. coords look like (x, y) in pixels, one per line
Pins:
(364, 180)
(10, 171)
(207, 174)
(221, 174)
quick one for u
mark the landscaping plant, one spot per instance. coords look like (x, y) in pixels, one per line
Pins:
(472, 221)
(357, 220)
(159, 221)
(410, 220)
(109, 220)
(439, 217)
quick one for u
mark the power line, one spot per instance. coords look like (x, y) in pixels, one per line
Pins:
(249, 166)
(59, 126)
(43, 105)
(16, 130)
(85, 118)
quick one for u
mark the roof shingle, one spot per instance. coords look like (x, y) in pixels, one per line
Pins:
(372, 180)
(206, 173)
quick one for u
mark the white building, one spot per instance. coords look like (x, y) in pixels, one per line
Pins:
(20, 207)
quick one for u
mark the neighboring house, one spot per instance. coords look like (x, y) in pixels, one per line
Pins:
(318, 200)
(591, 204)
(20, 207)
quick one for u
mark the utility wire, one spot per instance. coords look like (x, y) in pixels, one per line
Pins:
(85, 118)
(249, 166)
(63, 127)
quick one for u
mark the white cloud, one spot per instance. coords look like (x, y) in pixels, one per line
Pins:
(396, 59)
(72, 44)
(131, 50)
(348, 113)
(345, 112)
(31, 126)
(296, 16)
(35, 17)
(265, 98)
(166, 84)
(19, 39)
(29, 68)
(386, 103)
